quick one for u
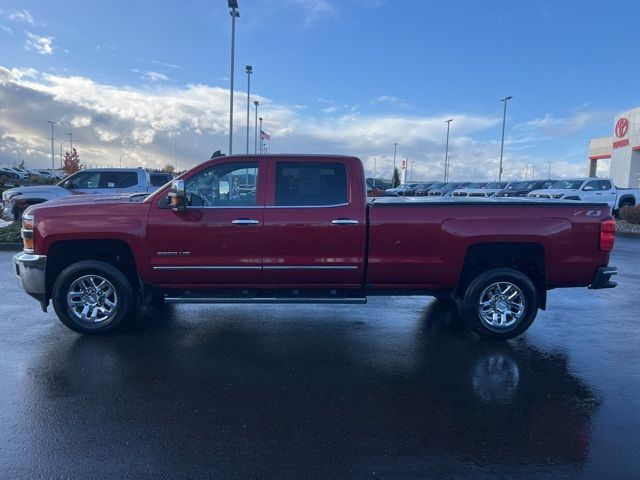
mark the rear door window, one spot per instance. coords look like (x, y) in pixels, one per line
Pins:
(118, 179)
(604, 185)
(311, 184)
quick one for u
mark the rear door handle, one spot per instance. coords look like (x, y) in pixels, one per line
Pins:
(245, 221)
(344, 221)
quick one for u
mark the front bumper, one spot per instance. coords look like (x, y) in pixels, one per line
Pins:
(30, 270)
(603, 278)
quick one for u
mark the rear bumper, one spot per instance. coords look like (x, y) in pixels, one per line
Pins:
(603, 278)
(30, 270)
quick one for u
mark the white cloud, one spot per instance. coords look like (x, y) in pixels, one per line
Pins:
(315, 10)
(20, 16)
(108, 120)
(154, 76)
(6, 29)
(563, 126)
(81, 121)
(42, 44)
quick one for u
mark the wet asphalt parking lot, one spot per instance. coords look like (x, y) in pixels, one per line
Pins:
(397, 388)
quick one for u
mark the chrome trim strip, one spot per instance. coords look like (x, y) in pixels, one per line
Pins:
(309, 206)
(350, 301)
(266, 267)
(310, 267)
(237, 207)
(204, 267)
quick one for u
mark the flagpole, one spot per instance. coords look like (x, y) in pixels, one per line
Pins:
(260, 135)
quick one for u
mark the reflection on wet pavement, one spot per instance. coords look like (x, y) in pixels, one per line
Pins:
(398, 389)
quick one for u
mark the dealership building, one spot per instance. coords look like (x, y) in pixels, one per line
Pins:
(622, 147)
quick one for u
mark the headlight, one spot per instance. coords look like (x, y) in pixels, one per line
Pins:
(558, 195)
(27, 233)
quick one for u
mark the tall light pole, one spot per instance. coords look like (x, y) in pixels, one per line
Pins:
(260, 135)
(550, 169)
(122, 155)
(411, 174)
(504, 119)
(53, 165)
(233, 5)
(374, 171)
(533, 172)
(393, 175)
(526, 170)
(255, 140)
(70, 141)
(175, 151)
(446, 149)
(249, 70)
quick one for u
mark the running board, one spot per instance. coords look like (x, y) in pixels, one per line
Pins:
(344, 301)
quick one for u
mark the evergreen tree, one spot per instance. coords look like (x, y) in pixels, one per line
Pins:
(395, 181)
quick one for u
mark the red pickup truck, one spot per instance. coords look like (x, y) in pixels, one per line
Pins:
(299, 229)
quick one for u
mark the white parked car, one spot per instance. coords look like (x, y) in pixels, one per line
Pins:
(595, 190)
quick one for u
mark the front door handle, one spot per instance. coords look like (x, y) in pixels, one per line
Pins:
(245, 221)
(344, 221)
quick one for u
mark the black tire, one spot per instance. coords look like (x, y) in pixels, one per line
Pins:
(479, 289)
(125, 300)
(17, 213)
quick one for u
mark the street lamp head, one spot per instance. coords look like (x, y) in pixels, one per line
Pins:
(450, 120)
(233, 3)
(260, 118)
(249, 69)
(506, 98)
(256, 103)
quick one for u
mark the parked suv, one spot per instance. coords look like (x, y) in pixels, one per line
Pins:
(600, 190)
(95, 180)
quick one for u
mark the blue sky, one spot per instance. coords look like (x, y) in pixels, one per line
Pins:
(350, 76)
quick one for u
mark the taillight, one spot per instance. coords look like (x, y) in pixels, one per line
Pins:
(27, 233)
(607, 234)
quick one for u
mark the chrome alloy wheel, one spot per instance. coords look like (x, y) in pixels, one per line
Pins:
(502, 304)
(92, 299)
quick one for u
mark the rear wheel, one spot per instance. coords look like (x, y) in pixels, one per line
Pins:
(93, 297)
(500, 304)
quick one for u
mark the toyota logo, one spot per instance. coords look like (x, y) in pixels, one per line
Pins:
(622, 126)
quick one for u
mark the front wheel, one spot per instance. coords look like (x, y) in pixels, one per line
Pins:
(500, 304)
(93, 297)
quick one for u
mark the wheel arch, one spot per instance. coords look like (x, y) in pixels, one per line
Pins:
(115, 252)
(527, 258)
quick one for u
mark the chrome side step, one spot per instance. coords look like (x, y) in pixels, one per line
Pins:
(274, 300)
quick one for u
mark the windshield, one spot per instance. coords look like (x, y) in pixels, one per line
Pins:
(476, 185)
(495, 185)
(566, 184)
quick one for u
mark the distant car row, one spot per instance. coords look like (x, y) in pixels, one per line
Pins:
(15, 173)
(596, 190)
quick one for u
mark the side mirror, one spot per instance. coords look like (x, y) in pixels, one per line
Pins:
(587, 188)
(178, 196)
(68, 184)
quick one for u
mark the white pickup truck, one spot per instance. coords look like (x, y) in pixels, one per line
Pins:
(93, 180)
(601, 190)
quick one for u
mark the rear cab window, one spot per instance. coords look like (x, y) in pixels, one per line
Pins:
(311, 184)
